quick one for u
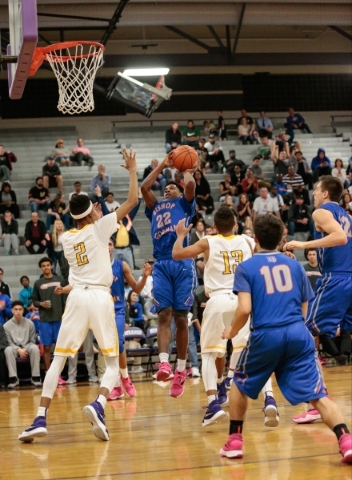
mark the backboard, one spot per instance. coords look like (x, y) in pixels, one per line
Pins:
(23, 28)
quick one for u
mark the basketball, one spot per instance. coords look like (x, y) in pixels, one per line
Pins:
(184, 158)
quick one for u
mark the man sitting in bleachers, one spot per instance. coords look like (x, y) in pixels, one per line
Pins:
(81, 154)
(6, 161)
(299, 217)
(101, 180)
(21, 339)
(35, 234)
(173, 137)
(78, 190)
(38, 196)
(292, 179)
(52, 175)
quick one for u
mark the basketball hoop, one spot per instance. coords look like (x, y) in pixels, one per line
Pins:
(75, 65)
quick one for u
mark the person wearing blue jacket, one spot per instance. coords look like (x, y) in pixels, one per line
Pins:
(135, 310)
(5, 308)
(321, 164)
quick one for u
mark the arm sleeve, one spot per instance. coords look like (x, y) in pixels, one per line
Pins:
(241, 283)
(104, 208)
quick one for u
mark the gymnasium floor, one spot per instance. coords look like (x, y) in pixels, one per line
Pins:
(154, 436)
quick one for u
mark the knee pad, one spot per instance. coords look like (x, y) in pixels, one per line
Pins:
(111, 373)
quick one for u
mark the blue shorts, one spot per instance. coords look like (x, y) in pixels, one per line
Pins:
(174, 283)
(331, 306)
(49, 332)
(120, 325)
(287, 351)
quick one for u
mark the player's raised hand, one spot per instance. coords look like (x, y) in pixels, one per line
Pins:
(293, 244)
(181, 230)
(147, 269)
(167, 162)
(130, 159)
(227, 333)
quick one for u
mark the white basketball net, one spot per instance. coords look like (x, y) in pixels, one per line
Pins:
(75, 69)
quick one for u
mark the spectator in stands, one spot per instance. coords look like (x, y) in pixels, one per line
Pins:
(303, 169)
(135, 310)
(292, 179)
(191, 135)
(264, 126)
(197, 216)
(50, 306)
(303, 191)
(8, 200)
(9, 233)
(33, 316)
(21, 339)
(173, 138)
(215, 154)
(3, 369)
(265, 204)
(203, 194)
(60, 154)
(55, 252)
(5, 308)
(169, 173)
(349, 182)
(250, 184)
(346, 203)
(52, 175)
(294, 122)
(258, 172)
(160, 183)
(299, 217)
(111, 203)
(280, 163)
(102, 180)
(38, 196)
(35, 234)
(228, 202)
(245, 132)
(280, 185)
(312, 267)
(81, 154)
(202, 155)
(209, 230)
(236, 178)
(206, 127)
(58, 211)
(179, 179)
(78, 190)
(198, 232)
(4, 288)
(25, 294)
(233, 161)
(266, 148)
(282, 143)
(248, 232)
(249, 119)
(226, 187)
(6, 161)
(339, 172)
(321, 164)
(222, 132)
(244, 211)
(283, 207)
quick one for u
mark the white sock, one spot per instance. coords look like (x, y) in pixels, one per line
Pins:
(209, 371)
(230, 373)
(163, 357)
(124, 372)
(211, 398)
(102, 400)
(118, 381)
(42, 412)
(268, 389)
(219, 380)
(181, 365)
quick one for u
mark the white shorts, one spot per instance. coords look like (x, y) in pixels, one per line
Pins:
(86, 309)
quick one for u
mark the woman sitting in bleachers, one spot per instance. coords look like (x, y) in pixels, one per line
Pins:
(8, 200)
(244, 211)
(60, 154)
(135, 310)
(9, 233)
(203, 194)
(346, 203)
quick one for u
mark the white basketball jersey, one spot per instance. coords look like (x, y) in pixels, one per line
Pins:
(87, 252)
(225, 253)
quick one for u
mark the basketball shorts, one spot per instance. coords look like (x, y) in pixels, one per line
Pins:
(218, 314)
(49, 332)
(174, 283)
(120, 325)
(289, 352)
(88, 308)
(331, 306)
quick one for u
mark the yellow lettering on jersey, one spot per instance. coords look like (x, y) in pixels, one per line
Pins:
(82, 259)
(237, 255)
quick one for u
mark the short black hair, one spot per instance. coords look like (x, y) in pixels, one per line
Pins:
(77, 183)
(180, 187)
(79, 204)
(23, 276)
(268, 230)
(17, 303)
(109, 193)
(307, 250)
(333, 186)
(43, 260)
(224, 219)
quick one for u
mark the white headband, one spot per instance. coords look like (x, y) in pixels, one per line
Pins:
(84, 214)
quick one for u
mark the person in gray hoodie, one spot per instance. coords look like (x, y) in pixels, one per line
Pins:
(21, 339)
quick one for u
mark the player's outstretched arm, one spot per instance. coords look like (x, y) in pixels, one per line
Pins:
(146, 187)
(132, 198)
(243, 310)
(136, 286)
(179, 252)
(324, 222)
(190, 184)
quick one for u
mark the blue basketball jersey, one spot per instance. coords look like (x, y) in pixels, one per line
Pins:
(278, 286)
(336, 259)
(164, 217)
(118, 285)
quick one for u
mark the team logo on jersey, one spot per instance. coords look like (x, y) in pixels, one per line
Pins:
(271, 259)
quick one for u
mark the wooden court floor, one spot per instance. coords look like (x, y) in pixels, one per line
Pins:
(154, 436)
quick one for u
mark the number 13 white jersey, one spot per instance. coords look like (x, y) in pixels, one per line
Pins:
(225, 253)
(87, 252)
